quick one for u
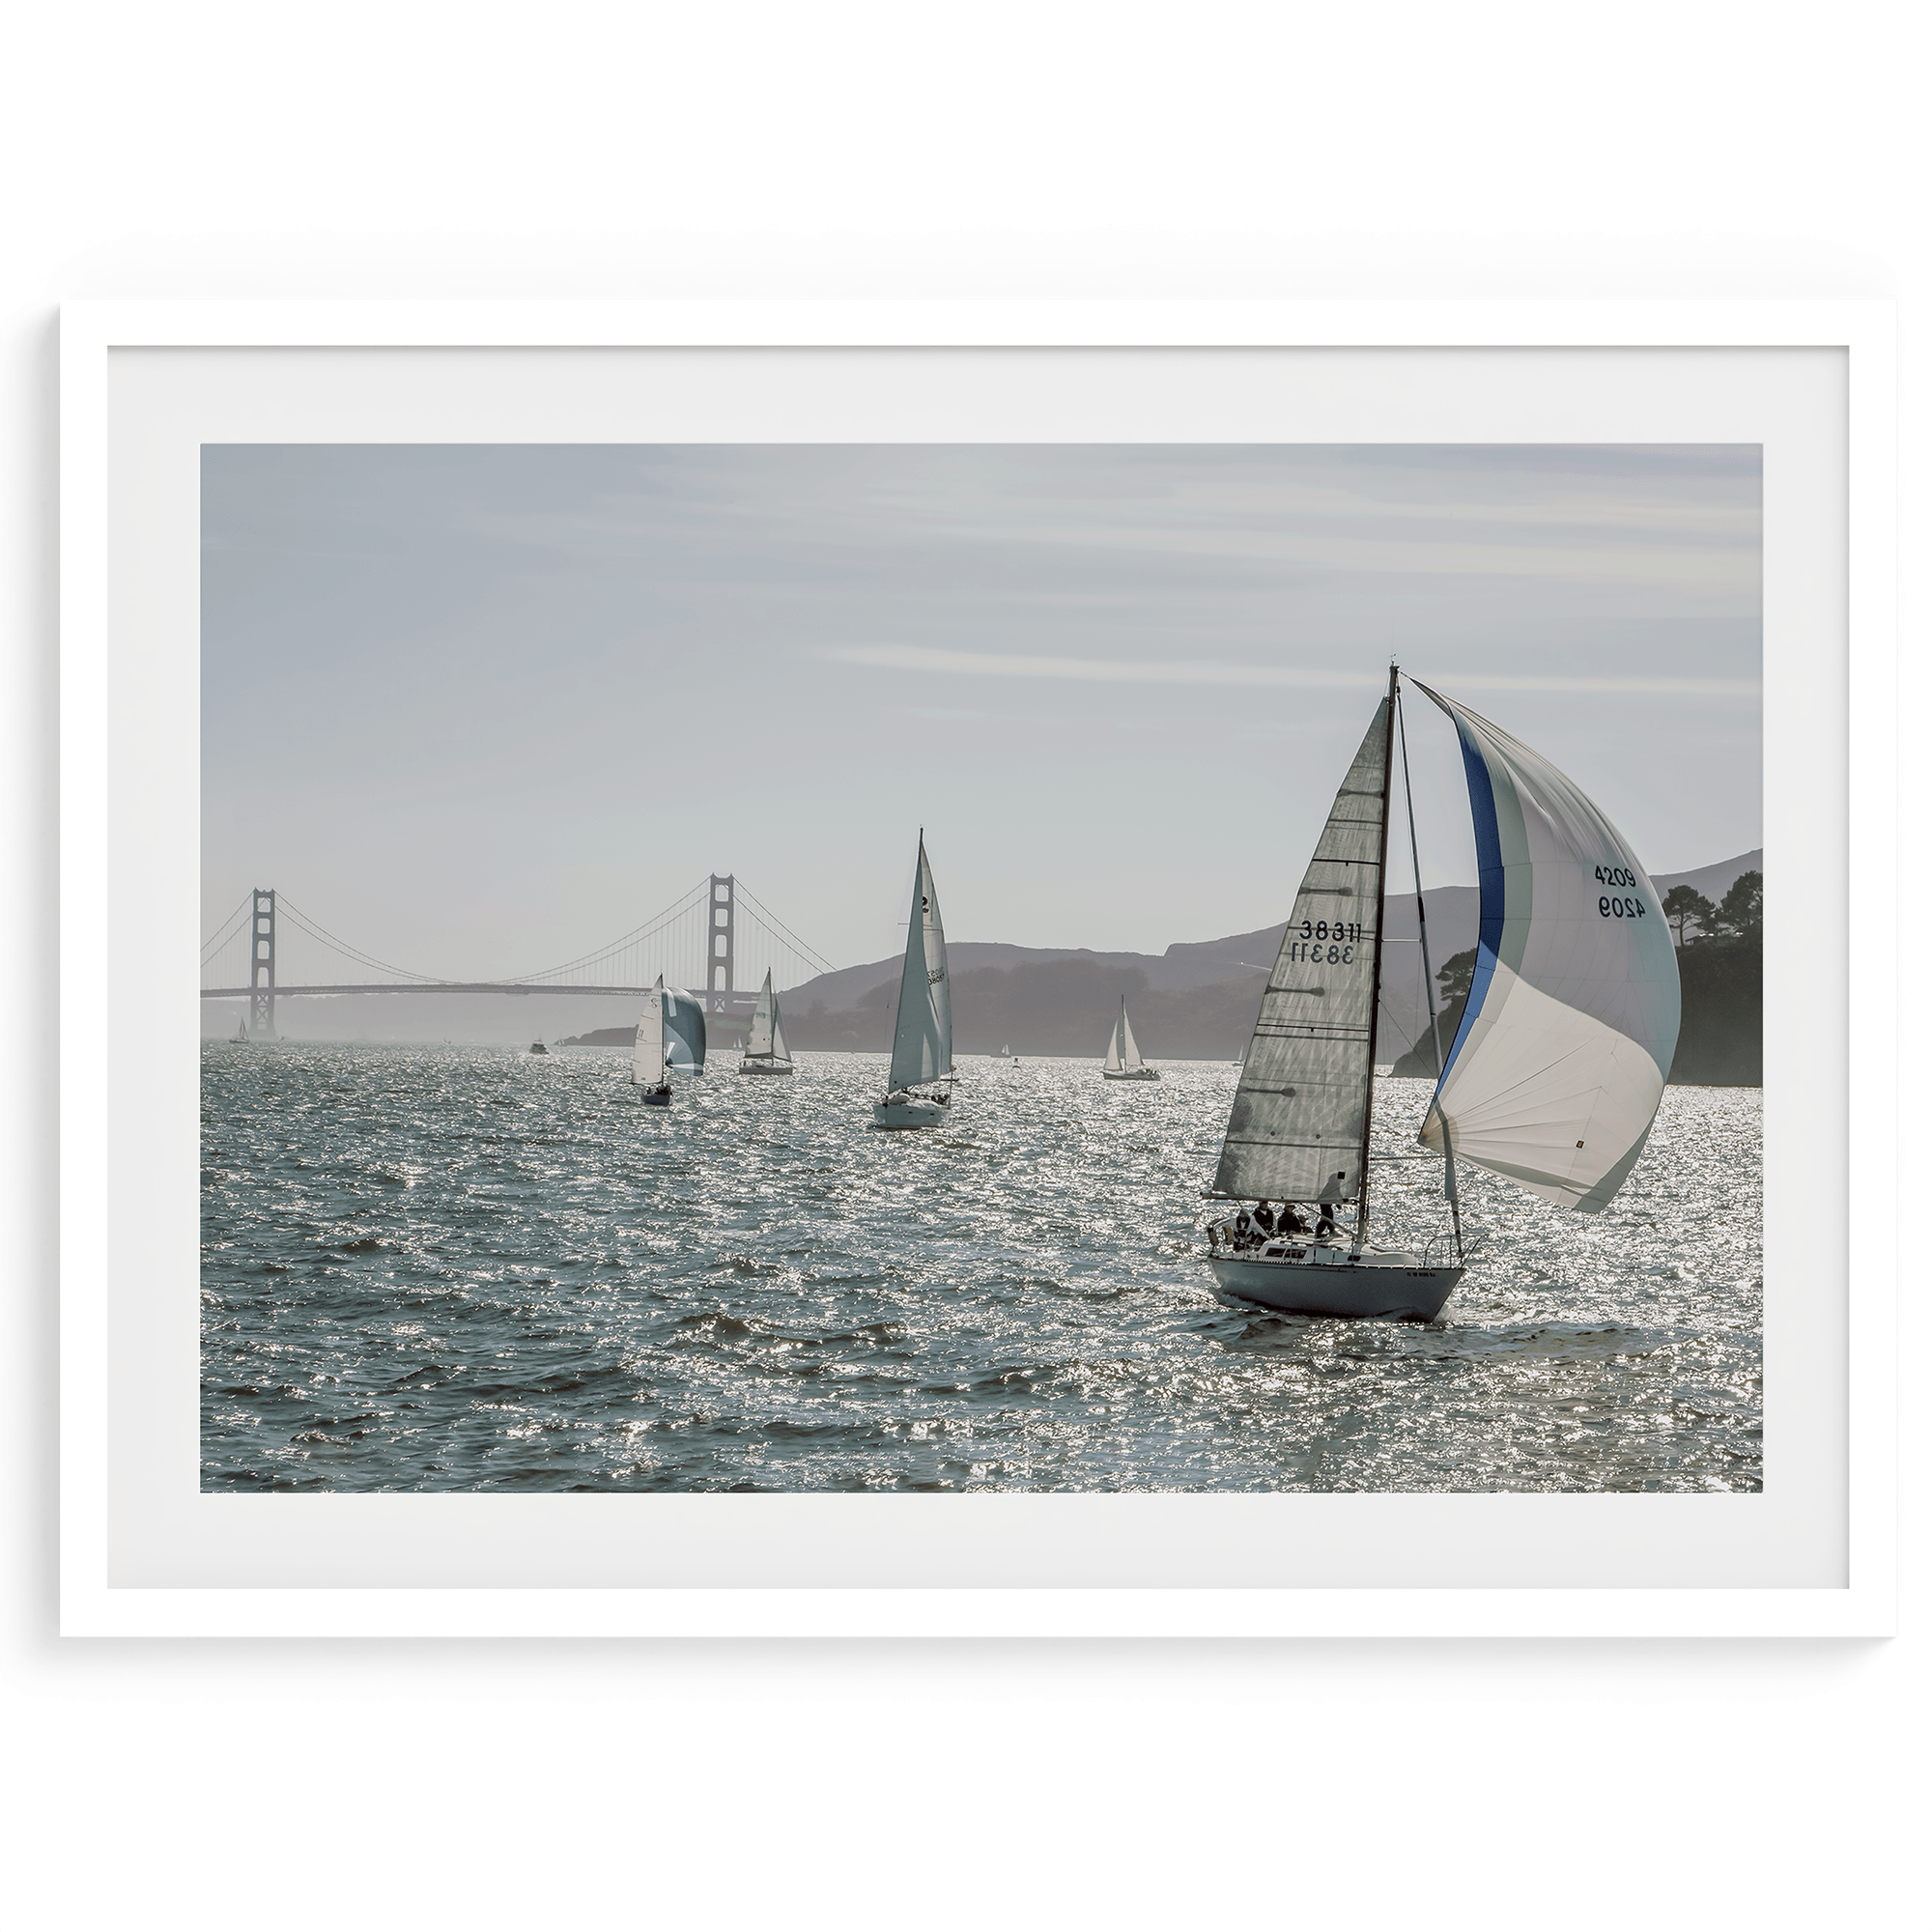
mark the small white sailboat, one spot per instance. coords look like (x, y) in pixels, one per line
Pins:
(1556, 1069)
(919, 1089)
(1124, 1057)
(765, 1050)
(648, 1073)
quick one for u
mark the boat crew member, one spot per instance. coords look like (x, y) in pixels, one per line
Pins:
(1264, 1218)
(1325, 1221)
(1288, 1221)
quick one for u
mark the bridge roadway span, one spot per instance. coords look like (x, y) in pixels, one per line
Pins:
(433, 986)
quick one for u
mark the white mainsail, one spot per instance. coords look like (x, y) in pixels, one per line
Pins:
(647, 1059)
(766, 1038)
(758, 1041)
(1558, 1066)
(1301, 1110)
(923, 1035)
(1123, 1055)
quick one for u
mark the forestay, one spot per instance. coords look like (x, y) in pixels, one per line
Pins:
(647, 1062)
(923, 1039)
(1296, 1129)
(1558, 1065)
(684, 1032)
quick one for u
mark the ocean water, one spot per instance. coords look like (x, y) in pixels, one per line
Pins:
(469, 1268)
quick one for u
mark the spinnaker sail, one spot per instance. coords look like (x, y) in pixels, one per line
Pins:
(1566, 1041)
(683, 1031)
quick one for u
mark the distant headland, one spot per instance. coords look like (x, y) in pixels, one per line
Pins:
(1198, 1001)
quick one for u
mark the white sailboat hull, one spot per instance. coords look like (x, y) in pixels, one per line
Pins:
(764, 1066)
(1373, 1286)
(655, 1096)
(916, 1112)
(1139, 1073)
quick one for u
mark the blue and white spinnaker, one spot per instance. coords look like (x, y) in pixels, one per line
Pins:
(1556, 1072)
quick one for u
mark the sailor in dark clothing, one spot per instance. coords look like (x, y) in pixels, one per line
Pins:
(1265, 1219)
(1325, 1221)
(1288, 1222)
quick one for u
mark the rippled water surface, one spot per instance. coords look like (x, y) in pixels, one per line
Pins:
(472, 1269)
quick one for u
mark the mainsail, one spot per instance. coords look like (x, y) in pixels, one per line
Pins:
(1557, 1067)
(766, 1038)
(1123, 1055)
(1301, 1110)
(647, 1059)
(923, 1038)
(758, 1041)
(683, 1031)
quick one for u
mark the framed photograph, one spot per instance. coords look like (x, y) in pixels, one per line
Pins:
(1305, 891)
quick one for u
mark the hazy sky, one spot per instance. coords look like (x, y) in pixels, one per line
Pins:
(480, 709)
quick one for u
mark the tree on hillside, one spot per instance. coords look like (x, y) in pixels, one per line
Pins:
(1684, 906)
(1456, 977)
(1741, 913)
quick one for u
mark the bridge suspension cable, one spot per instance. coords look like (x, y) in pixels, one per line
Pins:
(677, 942)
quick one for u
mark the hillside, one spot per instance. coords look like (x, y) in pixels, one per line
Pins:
(1196, 1001)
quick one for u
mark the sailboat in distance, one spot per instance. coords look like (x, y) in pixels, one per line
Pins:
(1124, 1057)
(765, 1050)
(1556, 1069)
(919, 1089)
(649, 1074)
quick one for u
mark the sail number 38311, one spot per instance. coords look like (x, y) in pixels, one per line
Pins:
(1345, 934)
(1608, 904)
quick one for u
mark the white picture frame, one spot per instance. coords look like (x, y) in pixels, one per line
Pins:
(1831, 1459)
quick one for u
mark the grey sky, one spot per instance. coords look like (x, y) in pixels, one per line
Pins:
(480, 709)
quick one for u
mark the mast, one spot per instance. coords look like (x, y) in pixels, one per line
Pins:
(1421, 911)
(1429, 985)
(1376, 978)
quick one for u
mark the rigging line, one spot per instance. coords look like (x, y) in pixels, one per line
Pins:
(318, 932)
(635, 937)
(224, 932)
(766, 916)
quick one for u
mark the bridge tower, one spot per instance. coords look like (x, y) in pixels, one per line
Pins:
(721, 954)
(262, 968)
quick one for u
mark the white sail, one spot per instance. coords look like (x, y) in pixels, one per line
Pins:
(765, 1042)
(683, 1031)
(1131, 1054)
(648, 1061)
(758, 1041)
(923, 1035)
(1565, 1044)
(1296, 1126)
(1117, 1044)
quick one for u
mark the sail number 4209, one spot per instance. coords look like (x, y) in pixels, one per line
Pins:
(1610, 905)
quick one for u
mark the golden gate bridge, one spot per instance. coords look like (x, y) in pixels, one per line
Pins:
(715, 939)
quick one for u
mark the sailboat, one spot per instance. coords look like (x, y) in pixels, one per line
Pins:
(648, 1073)
(922, 1030)
(1124, 1057)
(1557, 1067)
(765, 1050)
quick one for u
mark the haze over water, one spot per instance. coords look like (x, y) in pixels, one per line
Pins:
(468, 1268)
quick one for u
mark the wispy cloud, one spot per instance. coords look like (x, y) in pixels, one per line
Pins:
(1144, 670)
